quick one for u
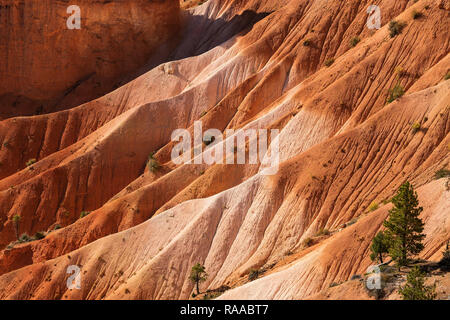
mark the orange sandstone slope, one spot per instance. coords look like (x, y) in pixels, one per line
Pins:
(238, 64)
(45, 66)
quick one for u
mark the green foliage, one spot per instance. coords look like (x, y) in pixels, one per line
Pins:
(84, 214)
(30, 162)
(212, 295)
(373, 206)
(198, 274)
(415, 288)
(445, 261)
(395, 28)
(24, 238)
(152, 163)
(447, 76)
(354, 41)
(323, 232)
(57, 226)
(351, 222)
(39, 235)
(333, 284)
(253, 274)
(417, 14)
(308, 242)
(328, 62)
(416, 127)
(404, 227)
(16, 219)
(395, 93)
(307, 43)
(380, 245)
(400, 71)
(442, 173)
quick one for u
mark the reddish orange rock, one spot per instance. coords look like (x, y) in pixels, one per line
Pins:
(45, 66)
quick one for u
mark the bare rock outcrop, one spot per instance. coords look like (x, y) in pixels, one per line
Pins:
(46, 66)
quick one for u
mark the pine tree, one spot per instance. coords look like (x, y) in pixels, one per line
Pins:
(415, 288)
(380, 245)
(16, 219)
(404, 227)
(444, 264)
(198, 274)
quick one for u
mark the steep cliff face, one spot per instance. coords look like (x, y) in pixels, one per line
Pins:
(293, 66)
(46, 66)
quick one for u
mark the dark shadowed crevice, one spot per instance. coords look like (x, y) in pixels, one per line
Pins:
(200, 35)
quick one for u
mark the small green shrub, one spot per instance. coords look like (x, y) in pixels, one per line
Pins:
(57, 226)
(152, 163)
(373, 206)
(308, 242)
(395, 28)
(212, 295)
(353, 221)
(30, 162)
(253, 274)
(39, 235)
(400, 71)
(16, 220)
(24, 238)
(445, 261)
(84, 214)
(395, 93)
(415, 288)
(447, 76)
(417, 14)
(328, 62)
(441, 173)
(354, 41)
(323, 232)
(334, 284)
(416, 127)
(307, 43)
